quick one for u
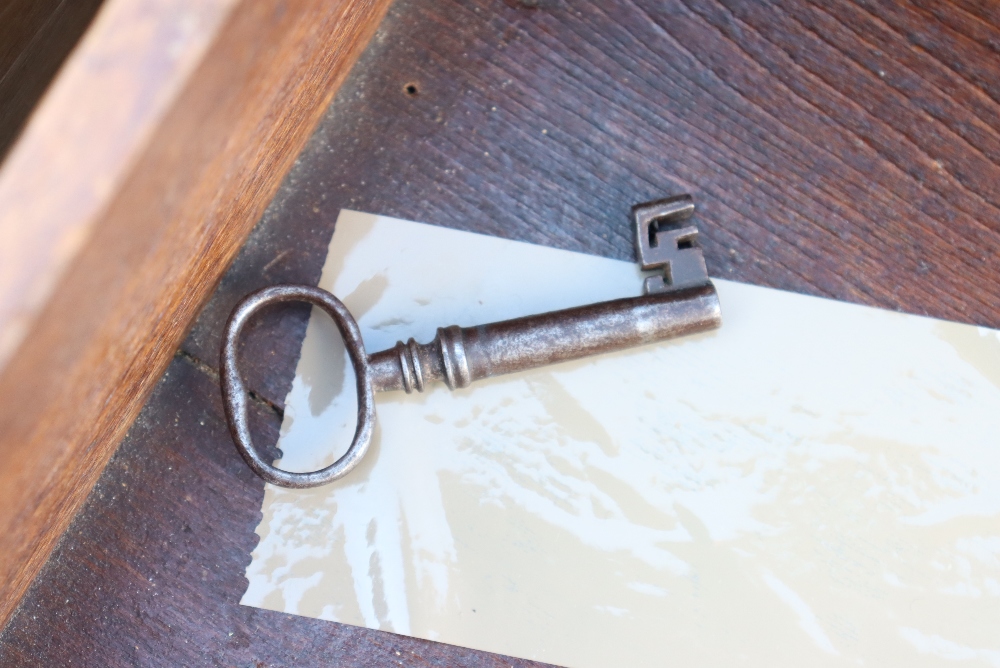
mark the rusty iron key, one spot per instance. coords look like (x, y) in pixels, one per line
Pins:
(679, 300)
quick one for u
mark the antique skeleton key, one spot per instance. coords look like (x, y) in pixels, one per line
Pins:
(677, 301)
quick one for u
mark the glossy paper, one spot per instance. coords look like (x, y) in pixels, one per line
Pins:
(815, 484)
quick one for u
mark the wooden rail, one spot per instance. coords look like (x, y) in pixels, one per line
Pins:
(130, 190)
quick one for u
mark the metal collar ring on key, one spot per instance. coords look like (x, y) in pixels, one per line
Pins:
(235, 396)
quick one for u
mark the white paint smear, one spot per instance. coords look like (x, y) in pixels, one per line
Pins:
(816, 483)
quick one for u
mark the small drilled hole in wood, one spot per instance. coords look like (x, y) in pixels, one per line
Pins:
(411, 89)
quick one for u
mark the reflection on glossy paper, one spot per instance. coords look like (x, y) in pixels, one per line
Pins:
(815, 484)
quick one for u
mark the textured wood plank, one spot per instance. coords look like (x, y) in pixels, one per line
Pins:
(842, 151)
(131, 189)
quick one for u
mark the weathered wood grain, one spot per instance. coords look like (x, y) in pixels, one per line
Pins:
(845, 151)
(129, 192)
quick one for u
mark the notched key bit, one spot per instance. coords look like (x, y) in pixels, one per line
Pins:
(680, 299)
(664, 240)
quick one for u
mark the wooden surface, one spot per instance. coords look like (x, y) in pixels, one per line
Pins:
(131, 188)
(849, 151)
(35, 38)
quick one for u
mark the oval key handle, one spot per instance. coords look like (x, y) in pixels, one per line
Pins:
(234, 392)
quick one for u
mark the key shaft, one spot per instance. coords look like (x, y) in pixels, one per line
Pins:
(459, 356)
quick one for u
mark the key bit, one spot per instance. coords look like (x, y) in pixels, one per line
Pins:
(664, 241)
(678, 300)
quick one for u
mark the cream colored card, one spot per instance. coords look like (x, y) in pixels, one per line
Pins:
(815, 484)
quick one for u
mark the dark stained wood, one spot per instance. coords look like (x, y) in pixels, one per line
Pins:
(849, 151)
(35, 38)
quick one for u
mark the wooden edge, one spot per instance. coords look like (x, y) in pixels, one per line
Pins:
(79, 144)
(36, 37)
(131, 190)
